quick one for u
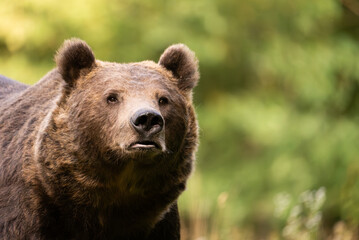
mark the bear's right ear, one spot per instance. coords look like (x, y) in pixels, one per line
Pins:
(74, 55)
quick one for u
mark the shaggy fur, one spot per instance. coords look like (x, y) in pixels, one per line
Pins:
(68, 165)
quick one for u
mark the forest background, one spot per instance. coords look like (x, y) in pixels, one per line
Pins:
(278, 101)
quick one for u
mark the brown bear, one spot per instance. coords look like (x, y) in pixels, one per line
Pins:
(97, 150)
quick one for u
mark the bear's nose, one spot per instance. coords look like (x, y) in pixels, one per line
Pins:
(147, 122)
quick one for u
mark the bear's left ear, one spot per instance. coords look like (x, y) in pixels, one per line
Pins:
(74, 55)
(183, 64)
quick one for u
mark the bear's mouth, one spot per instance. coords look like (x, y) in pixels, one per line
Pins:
(145, 145)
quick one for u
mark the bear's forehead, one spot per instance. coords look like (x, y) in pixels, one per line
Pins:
(134, 75)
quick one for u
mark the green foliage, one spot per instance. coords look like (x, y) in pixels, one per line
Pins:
(278, 100)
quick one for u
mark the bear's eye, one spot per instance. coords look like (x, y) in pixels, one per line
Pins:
(163, 100)
(112, 99)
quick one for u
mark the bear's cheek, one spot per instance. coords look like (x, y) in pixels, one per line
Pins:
(175, 131)
(95, 124)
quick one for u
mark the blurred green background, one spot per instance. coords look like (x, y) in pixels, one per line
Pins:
(278, 101)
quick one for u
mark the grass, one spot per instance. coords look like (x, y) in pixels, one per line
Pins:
(208, 218)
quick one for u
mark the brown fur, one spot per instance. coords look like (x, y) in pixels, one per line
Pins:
(67, 167)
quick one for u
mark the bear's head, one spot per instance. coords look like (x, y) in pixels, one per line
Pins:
(137, 114)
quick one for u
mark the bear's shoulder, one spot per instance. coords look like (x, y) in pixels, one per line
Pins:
(9, 86)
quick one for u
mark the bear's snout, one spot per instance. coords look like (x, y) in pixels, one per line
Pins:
(147, 122)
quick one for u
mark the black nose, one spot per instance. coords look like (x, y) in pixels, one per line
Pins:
(147, 121)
